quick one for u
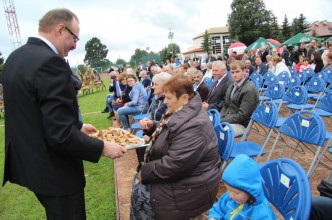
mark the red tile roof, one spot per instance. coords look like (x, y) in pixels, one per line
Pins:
(321, 28)
(194, 51)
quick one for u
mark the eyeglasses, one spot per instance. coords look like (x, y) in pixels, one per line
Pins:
(74, 35)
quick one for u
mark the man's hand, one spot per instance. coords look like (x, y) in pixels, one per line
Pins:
(88, 129)
(205, 105)
(113, 150)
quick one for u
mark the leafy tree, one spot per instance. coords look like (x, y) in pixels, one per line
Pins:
(137, 57)
(206, 44)
(165, 54)
(249, 20)
(300, 24)
(275, 31)
(120, 62)
(96, 53)
(174, 49)
(286, 31)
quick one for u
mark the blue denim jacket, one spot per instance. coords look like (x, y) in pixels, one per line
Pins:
(138, 96)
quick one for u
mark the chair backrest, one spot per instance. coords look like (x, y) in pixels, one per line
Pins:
(214, 116)
(323, 75)
(302, 76)
(305, 126)
(325, 103)
(270, 80)
(266, 114)
(309, 72)
(296, 95)
(209, 82)
(292, 71)
(148, 94)
(283, 77)
(293, 81)
(225, 136)
(315, 84)
(275, 91)
(256, 77)
(287, 187)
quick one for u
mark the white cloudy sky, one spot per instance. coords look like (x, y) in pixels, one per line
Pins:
(125, 25)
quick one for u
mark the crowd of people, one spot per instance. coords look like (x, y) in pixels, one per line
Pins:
(179, 171)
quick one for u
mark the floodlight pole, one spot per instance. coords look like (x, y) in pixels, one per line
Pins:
(171, 36)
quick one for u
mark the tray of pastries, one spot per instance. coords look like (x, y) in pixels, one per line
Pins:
(119, 136)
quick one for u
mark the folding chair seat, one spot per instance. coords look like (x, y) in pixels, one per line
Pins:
(265, 116)
(287, 187)
(303, 128)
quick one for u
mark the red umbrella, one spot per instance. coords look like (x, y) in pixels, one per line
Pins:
(237, 44)
(239, 47)
(274, 41)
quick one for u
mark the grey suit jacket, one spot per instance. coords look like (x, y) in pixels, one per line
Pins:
(216, 98)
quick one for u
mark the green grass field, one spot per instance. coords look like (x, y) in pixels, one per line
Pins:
(19, 203)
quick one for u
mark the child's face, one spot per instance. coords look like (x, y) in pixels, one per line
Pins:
(238, 196)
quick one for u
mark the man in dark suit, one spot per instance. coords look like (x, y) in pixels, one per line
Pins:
(45, 142)
(260, 66)
(216, 97)
(200, 86)
(210, 58)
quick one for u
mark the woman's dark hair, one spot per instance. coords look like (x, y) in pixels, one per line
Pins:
(179, 85)
(317, 57)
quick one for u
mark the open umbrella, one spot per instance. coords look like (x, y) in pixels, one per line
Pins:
(274, 41)
(298, 39)
(259, 43)
(329, 40)
(239, 47)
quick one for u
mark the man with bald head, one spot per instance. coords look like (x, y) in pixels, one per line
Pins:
(45, 143)
(216, 97)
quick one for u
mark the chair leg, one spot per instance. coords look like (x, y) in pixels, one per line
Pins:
(274, 145)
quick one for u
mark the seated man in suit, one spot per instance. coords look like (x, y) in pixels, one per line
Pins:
(216, 96)
(200, 87)
(241, 100)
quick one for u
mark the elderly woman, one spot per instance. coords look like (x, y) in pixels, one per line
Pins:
(182, 169)
(157, 108)
(135, 106)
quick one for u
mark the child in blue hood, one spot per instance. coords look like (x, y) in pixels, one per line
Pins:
(244, 198)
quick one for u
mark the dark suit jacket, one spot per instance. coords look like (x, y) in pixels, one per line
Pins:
(211, 60)
(44, 146)
(217, 97)
(263, 69)
(203, 91)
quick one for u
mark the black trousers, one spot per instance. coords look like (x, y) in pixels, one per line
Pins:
(71, 207)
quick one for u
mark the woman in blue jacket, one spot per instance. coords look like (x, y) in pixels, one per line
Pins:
(135, 106)
(244, 198)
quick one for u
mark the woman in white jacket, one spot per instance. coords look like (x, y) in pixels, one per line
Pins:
(279, 66)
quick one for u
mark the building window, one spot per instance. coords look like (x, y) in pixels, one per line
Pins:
(216, 44)
(226, 42)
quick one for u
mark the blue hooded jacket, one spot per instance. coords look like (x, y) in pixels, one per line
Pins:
(243, 173)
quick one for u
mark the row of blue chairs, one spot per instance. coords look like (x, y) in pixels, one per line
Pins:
(285, 183)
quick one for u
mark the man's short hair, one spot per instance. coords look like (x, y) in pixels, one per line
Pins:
(235, 64)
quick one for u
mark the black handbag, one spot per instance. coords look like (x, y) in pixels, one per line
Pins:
(325, 188)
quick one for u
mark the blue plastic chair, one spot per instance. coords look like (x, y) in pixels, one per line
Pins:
(274, 93)
(315, 87)
(225, 137)
(135, 126)
(265, 115)
(209, 82)
(283, 77)
(214, 116)
(304, 128)
(303, 77)
(293, 81)
(287, 188)
(296, 97)
(309, 72)
(323, 75)
(292, 71)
